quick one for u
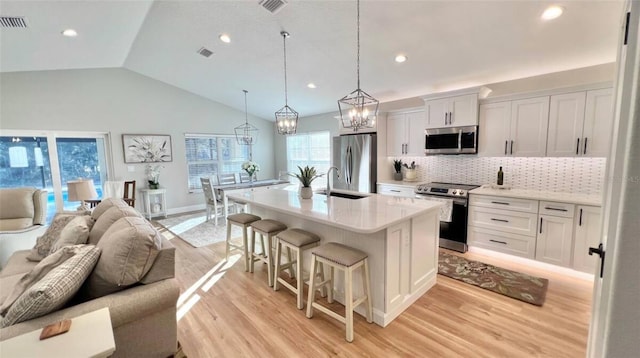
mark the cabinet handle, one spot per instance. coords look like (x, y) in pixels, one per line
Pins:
(498, 242)
(585, 145)
(450, 117)
(394, 191)
(580, 220)
(578, 147)
(556, 209)
(445, 118)
(506, 143)
(500, 220)
(541, 225)
(511, 147)
(499, 202)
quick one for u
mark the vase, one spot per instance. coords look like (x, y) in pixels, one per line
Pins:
(306, 192)
(154, 185)
(410, 175)
(397, 176)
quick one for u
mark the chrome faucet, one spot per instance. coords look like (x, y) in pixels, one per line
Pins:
(328, 192)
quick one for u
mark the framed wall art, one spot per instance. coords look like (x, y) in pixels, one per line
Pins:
(146, 148)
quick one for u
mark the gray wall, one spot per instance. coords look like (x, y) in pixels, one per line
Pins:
(121, 101)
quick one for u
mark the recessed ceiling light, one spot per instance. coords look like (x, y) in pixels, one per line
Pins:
(70, 33)
(311, 85)
(225, 38)
(552, 12)
(401, 58)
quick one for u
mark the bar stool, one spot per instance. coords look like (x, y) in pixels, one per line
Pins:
(346, 259)
(243, 220)
(268, 228)
(297, 240)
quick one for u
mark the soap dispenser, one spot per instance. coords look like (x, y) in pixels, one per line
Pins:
(500, 177)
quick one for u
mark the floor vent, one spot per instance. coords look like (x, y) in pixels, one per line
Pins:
(205, 52)
(273, 5)
(13, 22)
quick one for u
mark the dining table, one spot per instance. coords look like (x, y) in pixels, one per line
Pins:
(222, 191)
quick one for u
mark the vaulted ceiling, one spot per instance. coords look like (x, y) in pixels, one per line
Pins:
(449, 44)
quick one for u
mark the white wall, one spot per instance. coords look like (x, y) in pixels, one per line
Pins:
(121, 101)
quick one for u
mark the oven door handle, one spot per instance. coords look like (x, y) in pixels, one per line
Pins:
(456, 201)
(460, 141)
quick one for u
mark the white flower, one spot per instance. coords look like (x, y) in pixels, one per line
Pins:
(250, 167)
(153, 172)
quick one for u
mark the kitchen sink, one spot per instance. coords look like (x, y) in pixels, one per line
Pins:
(343, 195)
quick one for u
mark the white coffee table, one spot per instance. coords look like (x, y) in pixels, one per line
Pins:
(90, 335)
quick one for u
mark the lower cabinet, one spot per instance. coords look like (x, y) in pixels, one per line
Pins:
(554, 240)
(509, 243)
(587, 233)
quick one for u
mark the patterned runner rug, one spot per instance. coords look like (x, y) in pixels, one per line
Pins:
(194, 229)
(513, 284)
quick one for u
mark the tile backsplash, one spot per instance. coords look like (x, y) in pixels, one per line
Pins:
(571, 175)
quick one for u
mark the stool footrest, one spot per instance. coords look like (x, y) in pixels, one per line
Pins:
(329, 312)
(287, 285)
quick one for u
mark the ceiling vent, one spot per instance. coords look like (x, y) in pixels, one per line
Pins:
(273, 5)
(13, 22)
(205, 52)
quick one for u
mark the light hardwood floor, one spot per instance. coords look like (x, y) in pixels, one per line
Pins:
(225, 312)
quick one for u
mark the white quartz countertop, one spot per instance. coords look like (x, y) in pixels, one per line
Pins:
(367, 215)
(408, 184)
(560, 197)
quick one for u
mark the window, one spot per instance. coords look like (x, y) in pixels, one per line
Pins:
(209, 155)
(312, 149)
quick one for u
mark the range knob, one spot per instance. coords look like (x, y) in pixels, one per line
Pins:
(460, 192)
(455, 192)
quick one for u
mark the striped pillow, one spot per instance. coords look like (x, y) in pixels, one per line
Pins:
(55, 289)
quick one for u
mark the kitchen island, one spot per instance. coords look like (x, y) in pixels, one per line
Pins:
(399, 234)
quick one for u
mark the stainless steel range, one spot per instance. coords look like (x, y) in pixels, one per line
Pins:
(453, 233)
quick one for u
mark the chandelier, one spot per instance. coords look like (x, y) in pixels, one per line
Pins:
(246, 134)
(358, 109)
(286, 117)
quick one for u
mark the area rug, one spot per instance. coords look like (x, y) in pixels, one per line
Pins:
(197, 231)
(513, 284)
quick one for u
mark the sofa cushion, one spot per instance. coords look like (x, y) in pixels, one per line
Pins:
(17, 203)
(36, 274)
(44, 242)
(164, 266)
(7, 283)
(18, 264)
(15, 224)
(104, 221)
(55, 288)
(76, 232)
(107, 204)
(129, 249)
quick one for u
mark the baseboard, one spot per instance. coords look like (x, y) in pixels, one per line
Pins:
(185, 209)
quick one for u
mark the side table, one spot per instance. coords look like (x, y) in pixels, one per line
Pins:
(155, 202)
(90, 335)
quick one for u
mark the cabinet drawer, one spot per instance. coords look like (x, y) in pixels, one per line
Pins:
(508, 243)
(404, 191)
(556, 209)
(499, 202)
(503, 220)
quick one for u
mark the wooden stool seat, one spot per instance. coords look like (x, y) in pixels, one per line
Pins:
(296, 240)
(269, 228)
(243, 220)
(347, 259)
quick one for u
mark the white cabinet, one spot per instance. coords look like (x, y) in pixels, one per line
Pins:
(397, 190)
(452, 111)
(587, 234)
(554, 241)
(405, 133)
(514, 128)
(397, 252)
(580, 124)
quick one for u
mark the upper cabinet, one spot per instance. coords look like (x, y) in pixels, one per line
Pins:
(580, 124)
(454, 111)
(405, 133)
(514, 128)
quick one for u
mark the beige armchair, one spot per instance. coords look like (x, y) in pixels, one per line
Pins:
(23, 213)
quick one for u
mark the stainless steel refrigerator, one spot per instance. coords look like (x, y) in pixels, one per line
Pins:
(356, 157)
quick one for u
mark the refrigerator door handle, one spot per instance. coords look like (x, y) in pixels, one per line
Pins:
(350, 164)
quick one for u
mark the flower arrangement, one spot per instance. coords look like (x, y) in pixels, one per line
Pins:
(250, 167)
(306, 176)
(153, 175)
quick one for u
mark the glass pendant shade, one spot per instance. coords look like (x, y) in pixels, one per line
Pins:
(286, 117)
(246, 134)
(358, 109)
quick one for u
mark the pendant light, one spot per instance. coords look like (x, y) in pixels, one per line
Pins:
(286, 117)
(358, 109)
(246, 134)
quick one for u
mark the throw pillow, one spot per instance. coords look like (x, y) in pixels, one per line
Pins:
(44, 242)
(38, 272)
(55, 288)
(105, 205)
(75, 232)
(107, 219)
(129, 249)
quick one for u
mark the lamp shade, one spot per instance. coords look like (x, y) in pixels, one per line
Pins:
(80, 190)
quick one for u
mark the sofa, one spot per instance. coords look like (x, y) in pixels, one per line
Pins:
(142, 299)
(23, 213)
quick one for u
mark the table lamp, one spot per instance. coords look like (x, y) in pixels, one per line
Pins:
(81, 190)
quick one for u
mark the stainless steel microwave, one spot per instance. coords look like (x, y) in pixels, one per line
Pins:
(452, 140)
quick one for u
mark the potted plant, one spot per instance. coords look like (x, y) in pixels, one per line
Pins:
(397, 166)
(306, 177)
(410, 174)
(251, 168)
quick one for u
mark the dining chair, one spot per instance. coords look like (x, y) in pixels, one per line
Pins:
(130, 193)
(224, 179)
(109, 190)
(211, 199)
